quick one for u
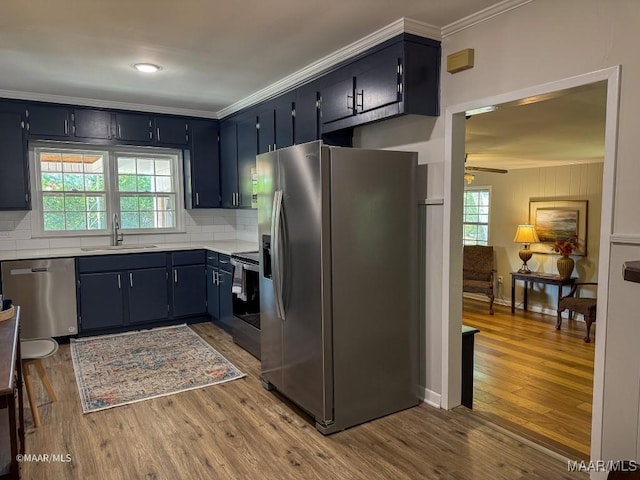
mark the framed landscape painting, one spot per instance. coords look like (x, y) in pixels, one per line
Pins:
(557, 220)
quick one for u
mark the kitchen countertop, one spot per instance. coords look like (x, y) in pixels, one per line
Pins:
(227, 247)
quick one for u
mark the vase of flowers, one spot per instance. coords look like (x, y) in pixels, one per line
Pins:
(565, 248)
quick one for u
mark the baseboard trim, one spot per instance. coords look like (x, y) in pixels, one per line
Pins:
(530, 308)
(430, 397)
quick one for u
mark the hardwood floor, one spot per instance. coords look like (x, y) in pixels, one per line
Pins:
(533, 379)
(238, 430)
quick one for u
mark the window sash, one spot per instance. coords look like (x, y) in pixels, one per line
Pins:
(475, 220)
(169, 221)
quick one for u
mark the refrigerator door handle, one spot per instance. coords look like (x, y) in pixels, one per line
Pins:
(276, 217)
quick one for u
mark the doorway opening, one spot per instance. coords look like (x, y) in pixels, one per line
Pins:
(540, 164)
(531, 377)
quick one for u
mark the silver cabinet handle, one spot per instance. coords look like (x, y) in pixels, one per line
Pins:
(349, 102)
(158, 133)
(224, 261)
(119, 283)
(197, 198)
(213, 277)
(119, 131)
(66, 127)
(175, 276)
(361, 95)
(131, 279)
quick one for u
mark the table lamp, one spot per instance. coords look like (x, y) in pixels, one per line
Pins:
(525, 234)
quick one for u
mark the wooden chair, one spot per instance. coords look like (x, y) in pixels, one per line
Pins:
(584, 305)
(477, 271)
(32, 352)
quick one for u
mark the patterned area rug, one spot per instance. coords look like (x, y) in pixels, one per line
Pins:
(114, 370)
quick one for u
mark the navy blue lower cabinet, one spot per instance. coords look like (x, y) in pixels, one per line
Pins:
(226, 300)
(101, 300)
(148, 298)
(213, 294)
(189, 290)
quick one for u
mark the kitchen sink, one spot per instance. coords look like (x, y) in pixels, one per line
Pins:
(117, 247)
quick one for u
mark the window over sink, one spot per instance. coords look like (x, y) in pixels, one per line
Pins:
(78, 189)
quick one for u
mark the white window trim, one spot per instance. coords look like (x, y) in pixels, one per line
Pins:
(37, 219)
(479, 187)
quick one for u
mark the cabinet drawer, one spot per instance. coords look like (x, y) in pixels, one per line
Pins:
(189, 257)
(225, 263)
(110, 263)
(212, 259)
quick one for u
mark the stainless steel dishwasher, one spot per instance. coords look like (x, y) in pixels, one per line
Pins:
(46, 293)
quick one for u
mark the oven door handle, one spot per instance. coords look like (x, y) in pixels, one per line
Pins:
(247, 266)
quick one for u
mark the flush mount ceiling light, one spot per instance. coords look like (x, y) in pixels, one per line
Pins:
(146, 67)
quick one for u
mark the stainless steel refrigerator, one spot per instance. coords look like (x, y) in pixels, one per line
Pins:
(338, 280)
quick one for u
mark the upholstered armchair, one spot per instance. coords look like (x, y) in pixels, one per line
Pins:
(477, 271)
(584, 305)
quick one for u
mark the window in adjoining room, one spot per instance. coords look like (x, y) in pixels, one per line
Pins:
(476, 216)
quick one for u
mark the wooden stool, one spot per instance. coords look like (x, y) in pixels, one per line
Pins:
(33, 351)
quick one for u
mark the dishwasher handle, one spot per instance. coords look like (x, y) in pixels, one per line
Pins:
(28, 271)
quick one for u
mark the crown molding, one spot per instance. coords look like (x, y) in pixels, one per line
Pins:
(91, 102)
(401, 25)
(482, 16)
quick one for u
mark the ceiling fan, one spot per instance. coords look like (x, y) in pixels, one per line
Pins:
(469, 176)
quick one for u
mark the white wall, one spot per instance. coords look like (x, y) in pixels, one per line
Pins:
(540, 42)
(510, 196)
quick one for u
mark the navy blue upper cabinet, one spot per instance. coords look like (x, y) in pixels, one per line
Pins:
(202, 166)
(379, 79)
(171, 130)
(275, 123)
(337, 98)
(266, 126)
(247, 151)
(306, 113)
(400, 76)
(88, 123)
(228, 162)
(49, 121)
(134, 127)
(14, 180)
(284, 119)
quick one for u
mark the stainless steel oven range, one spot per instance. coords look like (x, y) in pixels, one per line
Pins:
(246, 301)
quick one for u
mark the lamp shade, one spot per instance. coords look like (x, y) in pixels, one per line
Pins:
(526, 234)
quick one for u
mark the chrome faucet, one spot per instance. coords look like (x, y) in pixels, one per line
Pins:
(116, 234)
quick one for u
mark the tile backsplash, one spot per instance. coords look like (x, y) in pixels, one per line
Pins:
(200, 226)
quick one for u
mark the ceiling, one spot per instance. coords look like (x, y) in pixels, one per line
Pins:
(216, 53)
(212, 53)
(556, 129)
